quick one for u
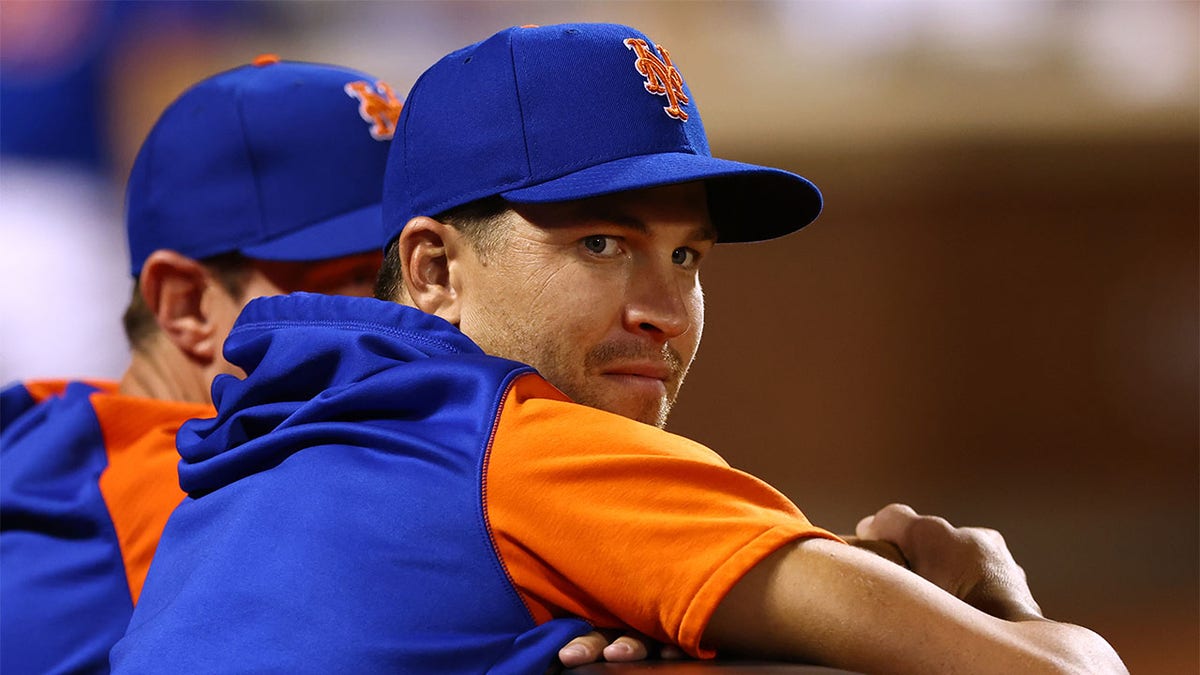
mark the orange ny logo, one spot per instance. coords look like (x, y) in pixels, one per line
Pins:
(661, 76)
(378, 105)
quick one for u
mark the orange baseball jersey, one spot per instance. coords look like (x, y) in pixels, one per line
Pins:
(379, 494)
(88, 478)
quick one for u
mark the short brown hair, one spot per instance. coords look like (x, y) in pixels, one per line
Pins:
(230, 270)
(481, 222)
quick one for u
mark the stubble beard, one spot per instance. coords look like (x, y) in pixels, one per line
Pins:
(560, 366)
(583, 386)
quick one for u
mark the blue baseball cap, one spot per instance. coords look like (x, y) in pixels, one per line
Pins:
(557, 113)
(274, 160)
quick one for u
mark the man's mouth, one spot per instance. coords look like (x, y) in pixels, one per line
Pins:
(649, 370)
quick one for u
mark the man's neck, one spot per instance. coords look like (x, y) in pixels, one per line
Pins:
(161, 372)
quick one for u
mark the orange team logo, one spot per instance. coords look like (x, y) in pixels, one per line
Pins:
(661, 76)
(378, 105)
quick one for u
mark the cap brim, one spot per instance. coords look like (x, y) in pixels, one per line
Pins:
(746, 202)
(357, 231)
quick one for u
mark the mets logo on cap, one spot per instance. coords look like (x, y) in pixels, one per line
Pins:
(378, 106)
(661, 76)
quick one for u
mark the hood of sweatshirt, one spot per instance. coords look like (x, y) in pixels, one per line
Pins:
(321, 367)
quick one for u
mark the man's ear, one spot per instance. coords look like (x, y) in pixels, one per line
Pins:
(174, 287)
(427, 248)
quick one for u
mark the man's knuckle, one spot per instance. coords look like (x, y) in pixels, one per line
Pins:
(927, 528)
(896, 508)
(985, 537)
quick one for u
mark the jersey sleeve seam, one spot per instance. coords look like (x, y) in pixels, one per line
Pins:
(505, 390)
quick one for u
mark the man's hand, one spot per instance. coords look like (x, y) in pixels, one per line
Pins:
(972, 563)
(601, 645)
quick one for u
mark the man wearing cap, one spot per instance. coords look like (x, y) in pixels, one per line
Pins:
(393, 487)
(258, 181)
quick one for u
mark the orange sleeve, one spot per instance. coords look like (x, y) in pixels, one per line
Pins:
(140, 485)
(620, 523)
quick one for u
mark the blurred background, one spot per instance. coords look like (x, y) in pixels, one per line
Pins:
(995, 319)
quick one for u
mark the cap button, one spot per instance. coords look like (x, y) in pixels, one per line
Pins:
(265, 60)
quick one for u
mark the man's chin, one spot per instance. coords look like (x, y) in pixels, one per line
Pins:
(650, 411)
(653, 413)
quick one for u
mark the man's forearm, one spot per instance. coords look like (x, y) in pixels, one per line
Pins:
(827, 603)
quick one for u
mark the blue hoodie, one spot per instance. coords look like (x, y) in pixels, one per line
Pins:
(379, 495)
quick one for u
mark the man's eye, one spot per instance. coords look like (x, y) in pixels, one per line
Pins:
(683, 256)
(600, 245)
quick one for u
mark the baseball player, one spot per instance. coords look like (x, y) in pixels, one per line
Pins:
(258, 181)
(441, 479)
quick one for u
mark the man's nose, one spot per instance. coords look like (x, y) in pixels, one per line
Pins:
(657, 305)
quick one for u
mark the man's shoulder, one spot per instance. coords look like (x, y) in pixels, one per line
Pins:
(50, 438)
(534, 407)
(20, 402)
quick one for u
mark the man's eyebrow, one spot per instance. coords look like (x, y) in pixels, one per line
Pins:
(587, 216)
(583, 216)
(705, 232)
